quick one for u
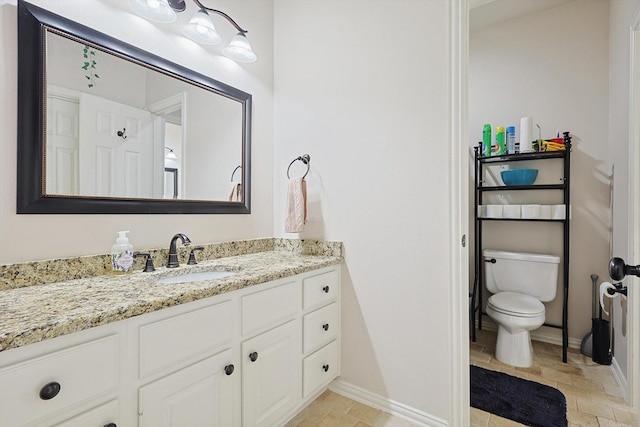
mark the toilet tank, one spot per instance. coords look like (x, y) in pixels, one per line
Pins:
(526, 273)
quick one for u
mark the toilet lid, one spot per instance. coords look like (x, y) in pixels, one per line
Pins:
(516, 304)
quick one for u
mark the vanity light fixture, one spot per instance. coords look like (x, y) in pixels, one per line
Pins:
(200, 27)
(154, 10)
(170, 155)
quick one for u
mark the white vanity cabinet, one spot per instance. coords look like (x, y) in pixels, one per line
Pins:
(321, 328)
(65, 381)
(247, 358)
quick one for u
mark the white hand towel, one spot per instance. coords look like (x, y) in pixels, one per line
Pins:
(235, 191)
(296, 205)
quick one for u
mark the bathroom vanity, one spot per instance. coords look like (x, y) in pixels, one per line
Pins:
(250, 349)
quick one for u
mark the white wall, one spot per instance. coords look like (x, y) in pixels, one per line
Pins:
(362, 86)
(31, 237)
(553, 66)
(622, 14)
(213, 146)
(110, 85)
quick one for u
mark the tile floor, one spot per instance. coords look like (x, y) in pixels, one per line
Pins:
(593, 397)
(334, 410)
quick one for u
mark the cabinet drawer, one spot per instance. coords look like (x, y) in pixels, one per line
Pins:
(82, 372)
(103, 415)
(170, 342)
(320, 327)
(320, 289)
(320, 368)
(270, 307)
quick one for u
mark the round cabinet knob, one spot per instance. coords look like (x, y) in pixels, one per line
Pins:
(229, 369)
(253, 356)
(110, 425)
(325, 368)
(49, 391)
(325, 326)
(326, 289)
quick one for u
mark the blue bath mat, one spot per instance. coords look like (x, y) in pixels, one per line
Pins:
(523, 401)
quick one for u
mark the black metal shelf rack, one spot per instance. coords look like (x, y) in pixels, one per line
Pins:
(475, 297)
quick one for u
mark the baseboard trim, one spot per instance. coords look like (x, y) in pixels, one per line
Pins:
(386, 405)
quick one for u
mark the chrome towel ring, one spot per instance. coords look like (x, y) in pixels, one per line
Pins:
(306, 159)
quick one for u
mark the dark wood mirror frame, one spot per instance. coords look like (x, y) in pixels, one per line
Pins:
(31, 198)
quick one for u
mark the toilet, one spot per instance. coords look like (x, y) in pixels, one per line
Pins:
(520, 283)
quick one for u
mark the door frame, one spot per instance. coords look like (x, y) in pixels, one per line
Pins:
(459, 44)
(633, 219)
(162, 109)
(459, 403)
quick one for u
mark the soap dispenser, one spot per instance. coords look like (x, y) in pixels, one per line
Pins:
(122, 253)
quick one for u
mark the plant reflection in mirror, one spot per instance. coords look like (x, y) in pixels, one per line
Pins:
(90, 65)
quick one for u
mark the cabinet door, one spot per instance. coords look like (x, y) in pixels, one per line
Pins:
(201, 395)
(270, 375)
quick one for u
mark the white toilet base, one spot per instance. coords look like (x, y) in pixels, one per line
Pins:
(514, 348)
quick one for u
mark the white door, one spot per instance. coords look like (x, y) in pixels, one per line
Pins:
(200, 395)
(270, 376)
(633, 283)
(62, 146)
(115, 165)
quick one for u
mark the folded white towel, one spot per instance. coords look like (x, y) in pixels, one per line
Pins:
(296, 205)
(235, 191)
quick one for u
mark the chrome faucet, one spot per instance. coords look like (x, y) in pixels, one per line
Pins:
(173, 262)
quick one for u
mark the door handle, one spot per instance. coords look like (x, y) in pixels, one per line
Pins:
(618, 269)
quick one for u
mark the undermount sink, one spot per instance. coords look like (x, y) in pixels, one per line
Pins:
(196, 277)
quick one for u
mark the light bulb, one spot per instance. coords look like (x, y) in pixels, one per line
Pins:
(239, 49)
(201, 29)
(154, 10)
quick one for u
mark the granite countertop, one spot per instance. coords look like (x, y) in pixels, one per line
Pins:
(35, 313)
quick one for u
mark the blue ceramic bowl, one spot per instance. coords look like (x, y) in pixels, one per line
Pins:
(519, 176)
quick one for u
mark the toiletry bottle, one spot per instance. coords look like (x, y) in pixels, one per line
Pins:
(122, 253)
(500, 143)
(486, 140)
(511, 140)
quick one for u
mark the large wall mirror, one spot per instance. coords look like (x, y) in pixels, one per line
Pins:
(104, 127)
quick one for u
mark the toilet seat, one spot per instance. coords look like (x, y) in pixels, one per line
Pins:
(516, 304)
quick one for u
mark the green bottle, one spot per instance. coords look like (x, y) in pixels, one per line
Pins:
(501, 148)
(486, 140)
